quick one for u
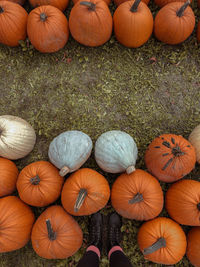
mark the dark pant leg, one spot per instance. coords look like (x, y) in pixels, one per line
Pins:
(119, 259)
(89, 259)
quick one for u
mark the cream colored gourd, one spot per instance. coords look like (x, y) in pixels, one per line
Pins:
(17, 137)
(116, 152)
(70, 150)
(194, 139)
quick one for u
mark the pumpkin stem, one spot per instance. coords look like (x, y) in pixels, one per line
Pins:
(35, 180)
(80, 199)
(135, 6)
(90, 5)
(43, 16)
(137, 198)
(51, 233)
(64, 171)
(198, 206)
(177, 151)
(180, 12)
(160, 243)
(130, 169)
(1, 10)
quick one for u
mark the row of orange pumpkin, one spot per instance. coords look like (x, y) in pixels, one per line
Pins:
(135, 196)
(91, 24)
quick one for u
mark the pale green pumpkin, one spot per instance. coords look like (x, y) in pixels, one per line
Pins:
(116, 152)
(70, 150)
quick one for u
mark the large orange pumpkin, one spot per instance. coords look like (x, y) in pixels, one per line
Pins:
(8, 177)
(47, 29)
(85, 192)
(15, 16)
(162, 240)
(55, 234)
(183, 202)
(133, 23)
(170, 157)
(90, 22)
(137, 196)
(60, 4)
(16, 221)
(174, 23)
(39, 184)
(193, 246)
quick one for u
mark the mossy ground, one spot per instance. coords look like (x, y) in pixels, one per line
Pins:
(145, 92)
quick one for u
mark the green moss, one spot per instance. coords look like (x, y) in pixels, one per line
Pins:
(146, 92)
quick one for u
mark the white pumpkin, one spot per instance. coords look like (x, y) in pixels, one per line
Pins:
(194, 139)
(17, 137)
(116, 152)
(70, 150)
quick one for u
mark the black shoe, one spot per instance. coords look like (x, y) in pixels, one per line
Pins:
(114, 232)
(96, 229)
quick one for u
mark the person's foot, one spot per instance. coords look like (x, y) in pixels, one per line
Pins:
(96, 229)
(114, 232)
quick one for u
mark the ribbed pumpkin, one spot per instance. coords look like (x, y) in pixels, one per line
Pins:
(55, 234)
(8, 177)
(119, 2)
(133, 23)
(90, 22)
(174, 23)
(194, 136)
(193, 246)
(170, 157)
(137, 196)
(60, 4)
(15, 16)
(16, 221)
(162, 240)
(39, 184)
(47, 29)
(162, 3)
(85, 192)
(106, 1)
(183, 202)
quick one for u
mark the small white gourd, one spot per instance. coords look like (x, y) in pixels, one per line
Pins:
(116, 152)
(194, 139)
(17, 137)
(70, 150)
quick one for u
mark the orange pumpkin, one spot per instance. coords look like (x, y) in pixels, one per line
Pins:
(162, 3)
(119, 2)
(170, 157)
(183, 202)
(39, 184)
(193, 246)
(137, 196)
(55, 234)
(15, 16)
(106, 1)
(133, 23)
(16, 221)
(85, 192)
(90, 22)
(162, 240)
(8, 177)
(60, 4)
(47, 29)
(174, 23)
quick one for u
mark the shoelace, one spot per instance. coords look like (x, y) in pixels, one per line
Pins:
(114, 235)
(95, 234)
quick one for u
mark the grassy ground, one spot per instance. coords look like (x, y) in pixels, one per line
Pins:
(145, 92)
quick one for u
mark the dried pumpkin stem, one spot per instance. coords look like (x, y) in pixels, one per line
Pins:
(90, 5)
(180, 12)
(80, 199)
(43, 16)
(160, 243)
(64, 171)
(130, 169)
(137, 198)
(176, 151)
(51, 233)
(35, 180)
(134, 7)
(1, 10)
